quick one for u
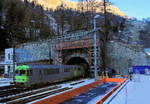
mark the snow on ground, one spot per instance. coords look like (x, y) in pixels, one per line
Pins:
(87, 81)
(135, 92)
(131, 92)
(5, 81)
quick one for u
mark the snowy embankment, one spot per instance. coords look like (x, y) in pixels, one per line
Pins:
(52, 20)
(5, 81)
(136, 91)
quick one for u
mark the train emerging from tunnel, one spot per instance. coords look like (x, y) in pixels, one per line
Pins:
(30, 75)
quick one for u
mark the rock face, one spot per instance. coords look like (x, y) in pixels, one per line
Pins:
(122, 57)
(52, 4)
(132, 30)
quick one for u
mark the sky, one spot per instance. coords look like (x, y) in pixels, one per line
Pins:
(135, 8)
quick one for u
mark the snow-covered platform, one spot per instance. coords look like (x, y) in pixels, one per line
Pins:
(136, 91)
(94, 90)
(93, 95)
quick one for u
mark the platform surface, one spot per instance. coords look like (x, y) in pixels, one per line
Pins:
(136, 91)
(91, 96)
(97, 91)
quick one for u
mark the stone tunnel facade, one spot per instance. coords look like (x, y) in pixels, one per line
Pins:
(120, 56)
(60, 52)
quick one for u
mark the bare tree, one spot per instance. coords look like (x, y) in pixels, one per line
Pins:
(88, 9)
(104, 39)
(60, 16)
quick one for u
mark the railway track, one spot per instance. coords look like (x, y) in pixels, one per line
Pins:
(27, 94)
(32, 96)
(77, 83)
(12, 95)
(9, 92)
(6, 87)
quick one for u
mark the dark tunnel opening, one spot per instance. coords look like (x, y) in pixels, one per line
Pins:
(80, 61)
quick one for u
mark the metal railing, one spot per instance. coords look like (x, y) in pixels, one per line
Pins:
(77, 36)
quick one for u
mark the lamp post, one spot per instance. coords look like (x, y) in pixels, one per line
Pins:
(119, 35)
(95, 60)
(33, 28)
(14, 56)
(50, 50)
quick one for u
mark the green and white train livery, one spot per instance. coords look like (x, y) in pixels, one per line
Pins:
(28, 75)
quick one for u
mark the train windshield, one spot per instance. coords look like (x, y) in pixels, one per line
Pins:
(22, 72)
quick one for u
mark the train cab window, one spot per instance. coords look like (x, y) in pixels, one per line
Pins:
(22, 72)
(17, 72)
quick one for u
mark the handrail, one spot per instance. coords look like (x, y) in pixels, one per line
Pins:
(76, 35)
